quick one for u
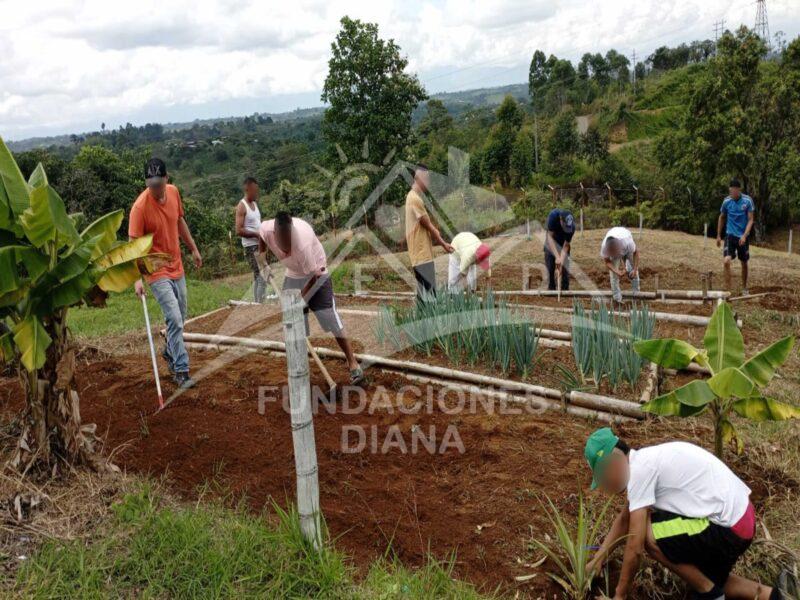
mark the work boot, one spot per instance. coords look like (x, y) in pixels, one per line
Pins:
(183, 381)
(787, 586)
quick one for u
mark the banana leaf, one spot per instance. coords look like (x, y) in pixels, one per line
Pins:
(731, 382)
(106, 227)
(723, 341)
(46, 219)
(669, 353)
(684, 401)
(759, 408)
(761, 367)
(32, 341)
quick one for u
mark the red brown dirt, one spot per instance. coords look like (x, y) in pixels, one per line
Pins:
(416, 505)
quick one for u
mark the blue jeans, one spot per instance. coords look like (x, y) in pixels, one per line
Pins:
(616, 290)
(171, 297)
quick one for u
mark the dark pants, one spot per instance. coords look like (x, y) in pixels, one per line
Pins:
(550, 263)
(259, 285)
(425, 274)
(321, 302)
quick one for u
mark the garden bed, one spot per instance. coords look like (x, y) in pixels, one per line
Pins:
(480, 504)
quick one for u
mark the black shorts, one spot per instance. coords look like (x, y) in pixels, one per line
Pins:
(321, 302)
(710, 547)
(734, 250)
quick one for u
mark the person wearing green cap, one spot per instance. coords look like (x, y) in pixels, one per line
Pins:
(685, 509)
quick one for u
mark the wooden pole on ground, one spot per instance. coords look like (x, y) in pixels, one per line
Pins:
(305, 450)
(705, 235)
(581, 222)
(789, 249)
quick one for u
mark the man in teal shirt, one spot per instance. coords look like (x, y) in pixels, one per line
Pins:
(736, 216)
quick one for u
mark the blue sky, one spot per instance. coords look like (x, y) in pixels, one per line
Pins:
(68, 66)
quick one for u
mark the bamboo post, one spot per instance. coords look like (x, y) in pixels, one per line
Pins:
(704, 280)
(305, 451)
(581, 222)
(641, 223)
(656, 282)
(789, 249)
(705, 235)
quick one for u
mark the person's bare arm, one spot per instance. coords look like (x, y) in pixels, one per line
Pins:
(634, 550)
(425, 221)
(241, 231)
(306, 291)
(618, 531)
(610, 266)
(635, 270)
(550, 240)
(748, 228)
(720, 228)
(565, 251)
(186, 238)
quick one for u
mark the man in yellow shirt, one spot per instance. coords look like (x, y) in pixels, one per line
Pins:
(421, 234)
(469, 253)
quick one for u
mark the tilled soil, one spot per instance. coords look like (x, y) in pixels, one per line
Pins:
(472, 492)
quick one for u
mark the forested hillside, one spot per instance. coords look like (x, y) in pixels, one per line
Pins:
(661, 137)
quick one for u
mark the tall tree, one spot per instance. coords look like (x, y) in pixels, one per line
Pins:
(743, 120)
(499, 146)
(562, 143)
(370, 95)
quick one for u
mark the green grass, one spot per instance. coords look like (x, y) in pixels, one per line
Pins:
(208, 551)
(124, 311)
(649, 124)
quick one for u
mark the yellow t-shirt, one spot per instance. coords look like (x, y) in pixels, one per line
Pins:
(420, 247)
(465, 244)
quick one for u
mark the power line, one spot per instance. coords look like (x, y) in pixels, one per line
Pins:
(762, 23)
(719, 29)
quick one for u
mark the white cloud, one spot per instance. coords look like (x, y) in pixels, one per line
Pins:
(67, 66)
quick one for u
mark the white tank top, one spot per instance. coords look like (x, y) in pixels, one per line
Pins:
(252, 222)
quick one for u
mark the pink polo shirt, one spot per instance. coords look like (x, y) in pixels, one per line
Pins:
(307, 257)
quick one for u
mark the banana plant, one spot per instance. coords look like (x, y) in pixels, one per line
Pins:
(735, 386)
(46, 266)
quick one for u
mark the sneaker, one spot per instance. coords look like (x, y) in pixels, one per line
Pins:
(356, 376)
(788, 585)
(170, 365)
(183, 381)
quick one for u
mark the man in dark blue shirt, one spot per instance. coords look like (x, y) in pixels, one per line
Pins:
(736, 215)
(560, 229)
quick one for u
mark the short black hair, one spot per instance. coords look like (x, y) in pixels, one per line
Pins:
(735, 183)
(622, 447)
(249, 180)
(283, 220)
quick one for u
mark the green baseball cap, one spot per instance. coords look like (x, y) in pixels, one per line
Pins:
(599, 447)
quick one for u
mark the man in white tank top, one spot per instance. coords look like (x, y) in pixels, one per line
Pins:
(248, 221)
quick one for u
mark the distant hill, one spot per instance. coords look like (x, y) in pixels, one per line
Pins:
(456, 103)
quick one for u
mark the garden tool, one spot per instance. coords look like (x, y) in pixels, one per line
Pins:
(331, 394)
(152, 353)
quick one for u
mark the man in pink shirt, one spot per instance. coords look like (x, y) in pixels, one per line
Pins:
(296, 246)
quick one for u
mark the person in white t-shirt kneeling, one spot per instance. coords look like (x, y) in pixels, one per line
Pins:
(621, 256)
(685, 508)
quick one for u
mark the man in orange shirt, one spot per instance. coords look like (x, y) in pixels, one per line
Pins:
(158, 210)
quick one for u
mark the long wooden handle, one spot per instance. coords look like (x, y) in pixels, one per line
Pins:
(321, 366)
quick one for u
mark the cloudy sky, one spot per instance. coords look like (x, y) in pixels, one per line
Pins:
(67, 66)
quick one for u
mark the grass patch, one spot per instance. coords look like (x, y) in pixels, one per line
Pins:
(124, 311)
(209, 551)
